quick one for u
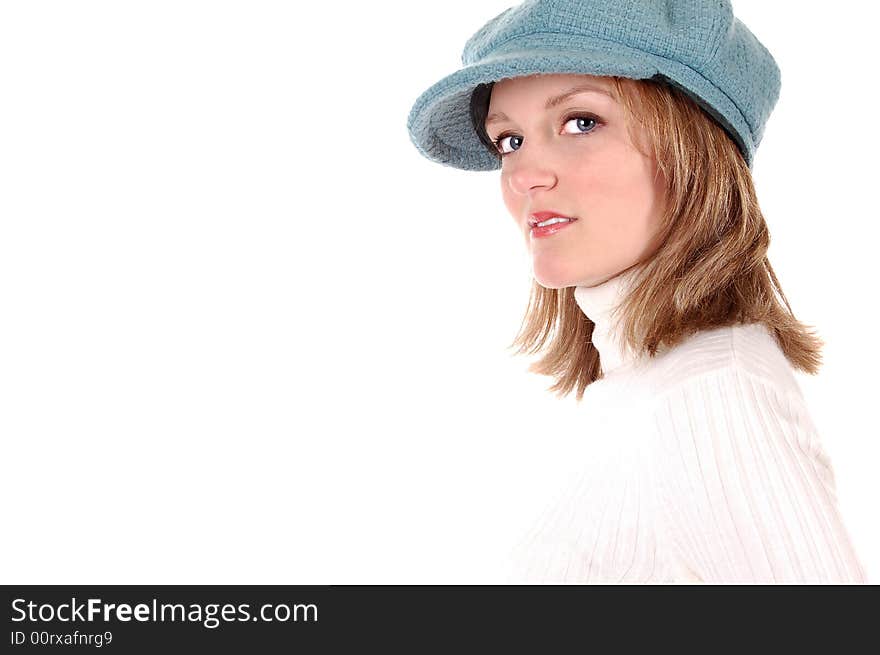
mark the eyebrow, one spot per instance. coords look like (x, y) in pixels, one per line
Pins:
(554, 101)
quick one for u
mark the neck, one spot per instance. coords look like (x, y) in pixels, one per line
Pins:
(599, 303)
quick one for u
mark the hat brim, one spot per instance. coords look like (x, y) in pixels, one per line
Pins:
(439, 122)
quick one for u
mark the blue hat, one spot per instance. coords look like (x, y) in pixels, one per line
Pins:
(696, 45)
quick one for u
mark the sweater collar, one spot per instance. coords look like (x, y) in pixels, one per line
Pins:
(598, 304)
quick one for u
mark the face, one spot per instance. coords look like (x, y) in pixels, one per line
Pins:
(576, 159)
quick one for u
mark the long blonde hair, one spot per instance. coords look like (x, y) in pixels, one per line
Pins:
(711, 268)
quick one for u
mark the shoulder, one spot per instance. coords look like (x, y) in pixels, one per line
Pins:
(738, 468)
(743, 351)
(733, 381)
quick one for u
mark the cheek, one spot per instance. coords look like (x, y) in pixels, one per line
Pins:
(512, 201)
(605, 173)
(620, 187)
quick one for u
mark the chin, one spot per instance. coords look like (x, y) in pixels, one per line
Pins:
(550, 281)
(547, 285)
(554, 281)
(552, 273)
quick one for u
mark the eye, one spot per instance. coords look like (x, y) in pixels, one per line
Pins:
(586, 124)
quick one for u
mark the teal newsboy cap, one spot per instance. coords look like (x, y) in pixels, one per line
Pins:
(698, 46)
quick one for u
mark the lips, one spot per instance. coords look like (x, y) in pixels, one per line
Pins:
(539, 217)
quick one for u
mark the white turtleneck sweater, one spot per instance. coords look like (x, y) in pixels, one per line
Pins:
(699, 465)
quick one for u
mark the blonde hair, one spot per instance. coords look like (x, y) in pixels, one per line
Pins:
(711, 268)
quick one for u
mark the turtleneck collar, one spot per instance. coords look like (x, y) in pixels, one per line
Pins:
(598, 303)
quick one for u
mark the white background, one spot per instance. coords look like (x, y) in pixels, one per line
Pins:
(249, 335)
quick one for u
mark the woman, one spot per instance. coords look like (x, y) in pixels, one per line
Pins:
(625, 133)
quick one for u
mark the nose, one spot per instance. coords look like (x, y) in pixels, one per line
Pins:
(531, 173)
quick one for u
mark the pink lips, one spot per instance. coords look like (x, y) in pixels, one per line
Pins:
(548, 230)
(538, 217)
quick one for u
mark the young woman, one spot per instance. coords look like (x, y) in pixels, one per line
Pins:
(625, 133)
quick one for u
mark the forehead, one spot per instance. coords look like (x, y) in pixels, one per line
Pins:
(541, 87)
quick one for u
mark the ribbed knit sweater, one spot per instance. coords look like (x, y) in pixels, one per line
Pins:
(701, 464)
